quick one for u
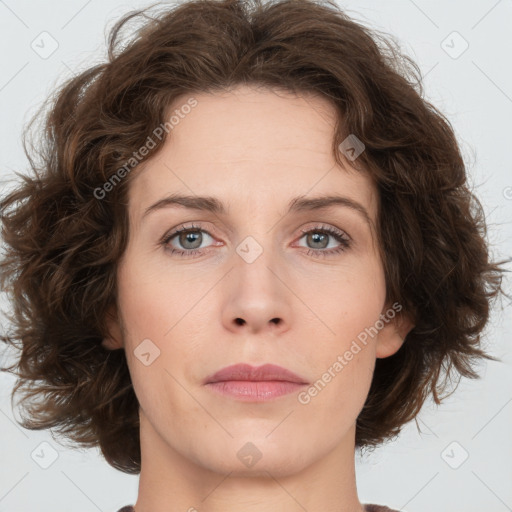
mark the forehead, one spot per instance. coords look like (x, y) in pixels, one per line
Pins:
(253, 148)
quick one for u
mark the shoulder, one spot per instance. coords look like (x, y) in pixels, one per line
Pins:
(369, 507)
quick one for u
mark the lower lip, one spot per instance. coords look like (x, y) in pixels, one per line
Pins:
(254, 391)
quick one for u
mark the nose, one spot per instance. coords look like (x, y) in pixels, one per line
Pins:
(257, 295)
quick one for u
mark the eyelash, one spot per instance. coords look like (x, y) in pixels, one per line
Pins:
(335, 233)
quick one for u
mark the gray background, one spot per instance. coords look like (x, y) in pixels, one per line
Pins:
(417, 472)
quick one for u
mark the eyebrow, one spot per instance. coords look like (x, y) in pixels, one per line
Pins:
(297, 204)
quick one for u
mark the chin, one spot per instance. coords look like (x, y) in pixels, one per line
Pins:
(255, 459)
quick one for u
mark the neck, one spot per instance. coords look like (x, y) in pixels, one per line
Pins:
(170, 481)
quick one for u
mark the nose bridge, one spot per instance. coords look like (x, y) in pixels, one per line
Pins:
(257, 244)
(256, 262)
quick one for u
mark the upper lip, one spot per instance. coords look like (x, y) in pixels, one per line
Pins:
(244, 371)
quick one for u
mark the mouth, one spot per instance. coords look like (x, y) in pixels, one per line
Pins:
(254, 384)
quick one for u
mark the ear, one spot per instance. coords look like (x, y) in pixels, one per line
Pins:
(114, 340)
(391, 337)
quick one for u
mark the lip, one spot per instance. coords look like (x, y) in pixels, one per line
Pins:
(266, 372)
(254, 383)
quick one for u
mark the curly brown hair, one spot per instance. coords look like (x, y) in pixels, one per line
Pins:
(63, 243)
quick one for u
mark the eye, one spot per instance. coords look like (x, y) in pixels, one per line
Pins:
(318, 237)
(190, 238)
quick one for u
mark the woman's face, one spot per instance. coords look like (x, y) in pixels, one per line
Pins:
(255, 281)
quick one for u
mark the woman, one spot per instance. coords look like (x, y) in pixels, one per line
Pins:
(251, 251)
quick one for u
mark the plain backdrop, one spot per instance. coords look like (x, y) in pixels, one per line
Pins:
(461, 460)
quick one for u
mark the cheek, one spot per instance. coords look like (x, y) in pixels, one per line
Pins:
(344, 360)
(349, 301)
(342, 382)
(151, 302)
(161, 339)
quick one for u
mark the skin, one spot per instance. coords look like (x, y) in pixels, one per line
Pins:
(254, 149)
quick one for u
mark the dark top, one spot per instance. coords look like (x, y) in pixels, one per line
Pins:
(368, 507)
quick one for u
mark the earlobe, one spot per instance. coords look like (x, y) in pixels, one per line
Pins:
(114, 340)
(392, 336)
